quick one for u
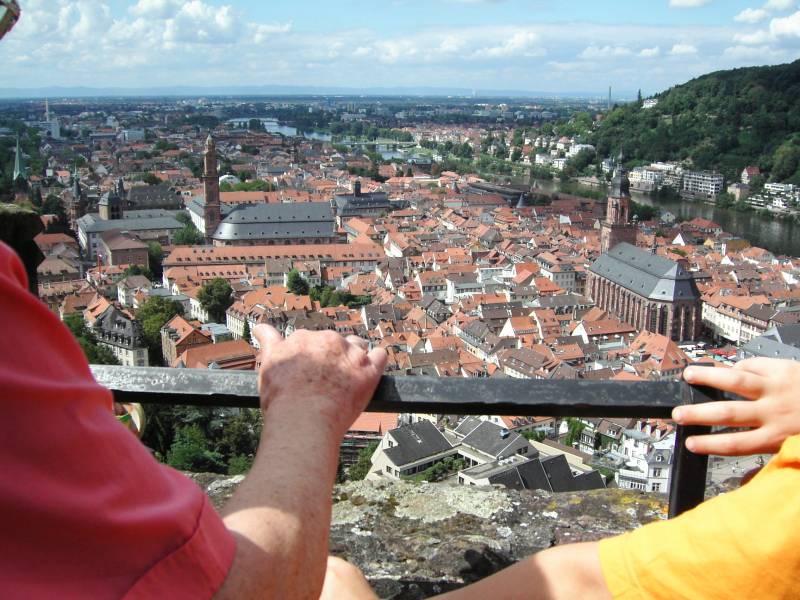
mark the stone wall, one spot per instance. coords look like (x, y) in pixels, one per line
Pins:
(416, 540)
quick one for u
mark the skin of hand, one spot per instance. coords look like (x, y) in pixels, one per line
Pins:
(771, 407)
(344, 581)
(319, 373)
(312, 386)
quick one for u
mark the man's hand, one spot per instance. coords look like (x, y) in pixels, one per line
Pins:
(313, 385)
(317, 373)
(772, 408)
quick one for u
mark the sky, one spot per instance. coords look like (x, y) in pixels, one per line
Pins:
(579, 46)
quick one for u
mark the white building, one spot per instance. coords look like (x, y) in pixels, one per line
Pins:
(702, 184)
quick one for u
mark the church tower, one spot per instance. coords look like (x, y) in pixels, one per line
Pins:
(19, 165)
(616, 227)
(212, 213)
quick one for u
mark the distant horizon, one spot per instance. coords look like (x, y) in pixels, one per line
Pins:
(89, 92)
(512, 48)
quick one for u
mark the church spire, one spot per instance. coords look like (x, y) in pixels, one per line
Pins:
(19, 164)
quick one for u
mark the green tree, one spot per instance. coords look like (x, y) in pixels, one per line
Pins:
(155, 254)
(246, 334)
(576, 426)
(240, 465)
(296, 283)
(138, 270)
(151, 179)
(188, 236)
(190, 452)
(536, 436)
(94, 352)
(52, 205)
(216, 297)
(363, 463)
(153, 315)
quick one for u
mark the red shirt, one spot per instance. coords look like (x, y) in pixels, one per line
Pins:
(85, 511)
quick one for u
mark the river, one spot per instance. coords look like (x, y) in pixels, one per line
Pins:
(779, 237)
(272, 126)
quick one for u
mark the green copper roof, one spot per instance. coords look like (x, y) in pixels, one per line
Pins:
(19, 164)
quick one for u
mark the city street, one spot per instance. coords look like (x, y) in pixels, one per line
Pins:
(721, 468)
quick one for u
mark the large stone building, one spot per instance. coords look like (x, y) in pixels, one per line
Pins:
(648, 291)
(616, 228)
(258, 224)
(363, 204)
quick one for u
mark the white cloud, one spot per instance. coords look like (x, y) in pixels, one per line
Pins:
(688, 3)
(183, 42)
(779, 5)
(683, 49)
(157, 9)
(522, 43)
(757, 53)
(756, 38)
(751, 15)
(786, 26)
(599, 52)
(264, 32)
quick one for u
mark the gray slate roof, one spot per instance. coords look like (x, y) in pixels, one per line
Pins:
(646, 274)
(488, 437)
(364, 200)
(113, 327)
(778, 342)
(416, 442)
(552, 474)
(265, 221)
(154, 196)
(91, 223)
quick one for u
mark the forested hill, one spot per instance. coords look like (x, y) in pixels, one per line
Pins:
(724, 121)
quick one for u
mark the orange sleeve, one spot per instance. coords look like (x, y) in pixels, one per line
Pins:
(742, 544)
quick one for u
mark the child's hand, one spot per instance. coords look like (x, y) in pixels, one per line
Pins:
(772, 408)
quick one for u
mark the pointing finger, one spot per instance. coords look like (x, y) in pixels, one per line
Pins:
(267, 335)
(744, 383)
(741, 413)
(378, 358)
(755, 441)
(358, 342)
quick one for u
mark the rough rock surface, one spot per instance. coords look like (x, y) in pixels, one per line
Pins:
(416, 540)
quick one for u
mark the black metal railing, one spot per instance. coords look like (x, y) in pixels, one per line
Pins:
(453, 396)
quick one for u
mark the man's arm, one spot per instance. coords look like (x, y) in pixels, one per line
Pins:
(570, 571)
(312, 387)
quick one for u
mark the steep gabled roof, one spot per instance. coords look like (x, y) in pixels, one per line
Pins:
(646, 274)
(415, 442)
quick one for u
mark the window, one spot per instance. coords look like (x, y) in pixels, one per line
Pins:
(656, 472)
(656, 487)
(389, 470)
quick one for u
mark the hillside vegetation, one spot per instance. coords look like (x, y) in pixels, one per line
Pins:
(724, 121)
